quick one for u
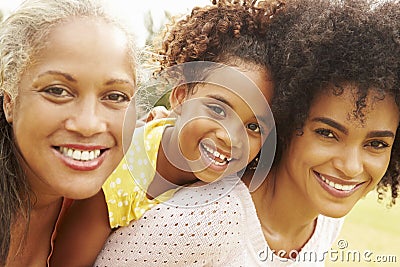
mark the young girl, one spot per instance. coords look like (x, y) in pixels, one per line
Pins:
(336, 108)
(222, 119)
(67, 77)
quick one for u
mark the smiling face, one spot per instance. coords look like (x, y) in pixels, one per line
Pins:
(69, 113)
(338, 159)
(224, 121)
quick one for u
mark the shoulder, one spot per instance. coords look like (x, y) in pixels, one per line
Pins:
(228, 197)
(330, 225)
(200, 224)
(216, 205)
(155, 128)
(326, 232)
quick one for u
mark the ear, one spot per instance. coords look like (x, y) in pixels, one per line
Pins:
(8, 107)
(177, 97)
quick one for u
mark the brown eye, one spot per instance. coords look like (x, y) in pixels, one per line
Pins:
(254, 127)
(117, 97)
(378, 144)
(57, 91)
(217, 110)
(325, 133)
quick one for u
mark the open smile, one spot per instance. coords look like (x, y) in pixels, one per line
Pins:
(215, 157)
(81, 155)
(335, 187)
(81, 159)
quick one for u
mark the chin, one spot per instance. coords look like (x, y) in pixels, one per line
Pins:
(84, 191)
(338, 213)
(208, 178)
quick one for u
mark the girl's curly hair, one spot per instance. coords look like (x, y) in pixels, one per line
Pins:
(317, 43)
(227, 32)
(222, 32)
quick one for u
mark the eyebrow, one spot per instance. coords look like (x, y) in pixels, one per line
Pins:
(220, 98)
(118, 81)
(380, 134)
(56, 72)
(331, 123)
(343, 129)
(72, 79)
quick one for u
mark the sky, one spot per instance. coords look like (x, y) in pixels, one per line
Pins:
(134, 11)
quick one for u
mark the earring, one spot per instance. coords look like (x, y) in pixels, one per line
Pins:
(254, 163)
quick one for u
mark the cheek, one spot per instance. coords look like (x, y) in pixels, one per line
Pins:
(304, 149)
(36, 120)
(195, 127)
(377, 167)
(191, 109)
(121, 126)
(305, 154)
(188, 132)
(255, 146)
(129, 125)
(191, 134)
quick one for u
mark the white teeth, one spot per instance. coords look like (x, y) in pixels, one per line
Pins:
(348, 187)
(82, 155)
(337, 186)
(85, 155)
(77, 154)
(216, 154)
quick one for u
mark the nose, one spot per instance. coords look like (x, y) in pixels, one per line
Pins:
(86, 118)
(232, 134)
(349, 162)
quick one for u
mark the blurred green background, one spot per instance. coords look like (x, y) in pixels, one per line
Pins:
(371, 229)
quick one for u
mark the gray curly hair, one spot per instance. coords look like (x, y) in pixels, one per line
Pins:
(23, 34)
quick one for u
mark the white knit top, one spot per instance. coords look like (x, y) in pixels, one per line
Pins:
(208, 225)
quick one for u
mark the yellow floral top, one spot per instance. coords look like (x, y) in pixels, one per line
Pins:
(125, 189)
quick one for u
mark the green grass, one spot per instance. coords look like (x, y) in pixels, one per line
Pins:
(369, 228)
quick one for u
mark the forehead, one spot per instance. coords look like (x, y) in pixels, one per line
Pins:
(349, 107)
(252, 84)
(85, 44)
(85, 36)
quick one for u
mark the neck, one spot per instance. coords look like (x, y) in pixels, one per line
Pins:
(285, 216)
(42, 195)
(171, 168)
(30, 243)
